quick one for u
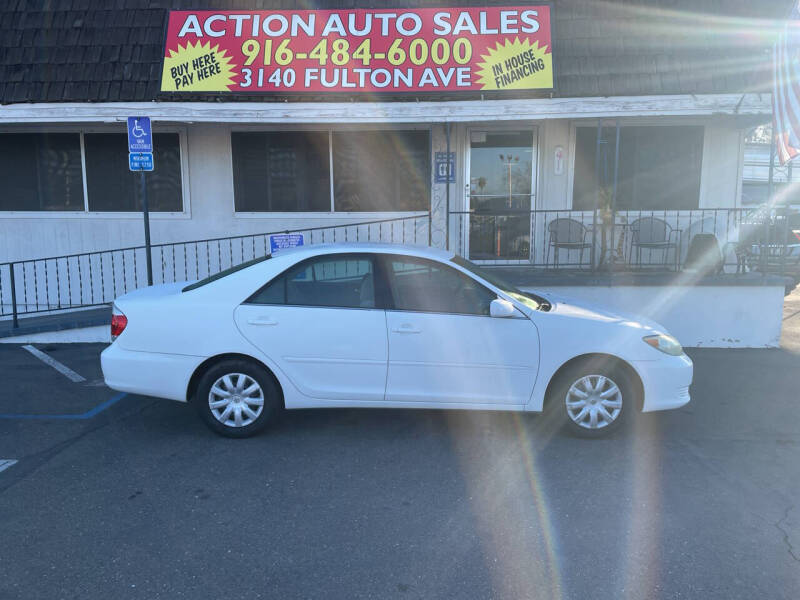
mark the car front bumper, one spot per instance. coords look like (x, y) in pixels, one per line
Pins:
(665, 381)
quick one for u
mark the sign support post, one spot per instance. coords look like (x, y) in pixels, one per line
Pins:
(140, 158)
(146, 213)
(764, 249)
(447, 188)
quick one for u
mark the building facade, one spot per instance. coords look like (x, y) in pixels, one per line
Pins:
(231, 164)
(560, 143)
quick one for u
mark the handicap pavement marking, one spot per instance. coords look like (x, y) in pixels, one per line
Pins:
(74, 417)
(5, 463)
(49, 360)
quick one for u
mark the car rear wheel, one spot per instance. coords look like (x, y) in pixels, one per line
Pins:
(592, 400)
(237, 398)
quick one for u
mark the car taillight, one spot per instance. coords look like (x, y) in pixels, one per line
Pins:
(118, 324)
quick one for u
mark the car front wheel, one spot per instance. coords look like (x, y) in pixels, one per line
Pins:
(593, 400)
(237, 398)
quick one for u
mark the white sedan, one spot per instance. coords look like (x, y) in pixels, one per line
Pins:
(368, 325)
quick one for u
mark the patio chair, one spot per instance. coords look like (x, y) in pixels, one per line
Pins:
(704, 255)
(653, 233)
(567, 234)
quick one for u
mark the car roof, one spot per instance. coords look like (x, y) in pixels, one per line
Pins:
(381, 248)
(239, 283)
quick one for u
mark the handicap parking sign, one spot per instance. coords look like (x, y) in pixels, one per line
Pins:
(140, 135)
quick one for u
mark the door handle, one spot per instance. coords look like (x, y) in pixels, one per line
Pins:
(262, 321)
(406, 328)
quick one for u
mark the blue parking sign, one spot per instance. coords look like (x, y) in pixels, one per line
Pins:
(284, 240)
(140, 135)
(141, 161)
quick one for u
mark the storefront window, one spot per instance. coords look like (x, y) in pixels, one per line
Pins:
(659, 167)
(112, 187)
(45, 172)
(41, 172)
(379, 171)
(281, 171)
(373, 171)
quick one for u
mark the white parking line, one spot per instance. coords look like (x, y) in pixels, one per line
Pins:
(6, 462)
(49, 360)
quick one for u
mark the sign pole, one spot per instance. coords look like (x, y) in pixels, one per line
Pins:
(146, 213)
(447, 187)
(768, 208)
(140, 158)
(771, 175)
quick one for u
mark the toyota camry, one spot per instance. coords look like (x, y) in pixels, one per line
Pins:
(368, 325)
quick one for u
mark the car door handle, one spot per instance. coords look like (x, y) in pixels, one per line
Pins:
(406, 328)
(262, 321)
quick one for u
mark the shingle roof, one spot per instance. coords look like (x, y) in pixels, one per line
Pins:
(110, 50)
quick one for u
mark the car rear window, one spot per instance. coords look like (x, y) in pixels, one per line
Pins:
(225, 273)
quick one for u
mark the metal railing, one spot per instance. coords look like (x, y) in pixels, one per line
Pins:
(748, 239)
(765, 240)
(87, 279)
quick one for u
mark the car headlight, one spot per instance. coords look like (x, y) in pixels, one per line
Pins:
(665, 343)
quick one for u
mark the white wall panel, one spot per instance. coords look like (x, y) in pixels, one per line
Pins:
(699, 316)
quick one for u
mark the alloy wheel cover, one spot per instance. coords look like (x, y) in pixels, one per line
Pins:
(236, 400)
(594, 401)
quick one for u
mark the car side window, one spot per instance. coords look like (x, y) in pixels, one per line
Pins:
(426, 286)
(337, 281)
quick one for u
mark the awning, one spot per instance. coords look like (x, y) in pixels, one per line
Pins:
(393, 112)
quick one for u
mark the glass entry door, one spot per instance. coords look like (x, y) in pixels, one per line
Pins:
(500, 193)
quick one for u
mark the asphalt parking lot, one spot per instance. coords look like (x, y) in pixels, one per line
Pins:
(119, 496)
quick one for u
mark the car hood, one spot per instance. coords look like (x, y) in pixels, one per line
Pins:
(565, 306)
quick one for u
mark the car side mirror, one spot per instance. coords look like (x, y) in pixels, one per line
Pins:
(501, 308)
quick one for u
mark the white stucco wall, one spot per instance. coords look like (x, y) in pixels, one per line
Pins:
(721, 174)
(699, 316)
(554, 189)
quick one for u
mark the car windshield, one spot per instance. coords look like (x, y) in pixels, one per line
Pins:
(528, 299)
(225, 273)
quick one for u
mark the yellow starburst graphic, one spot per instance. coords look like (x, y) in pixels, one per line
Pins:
(197, 68)
(516, 65)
